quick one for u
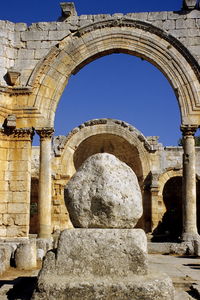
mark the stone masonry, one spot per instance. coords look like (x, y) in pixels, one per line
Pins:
(36, 63)
(23, 47)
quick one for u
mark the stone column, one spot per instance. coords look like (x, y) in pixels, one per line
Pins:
(154, 190)
(189, 184)
(44, 205)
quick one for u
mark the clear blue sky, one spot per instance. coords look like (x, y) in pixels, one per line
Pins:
(116, 86)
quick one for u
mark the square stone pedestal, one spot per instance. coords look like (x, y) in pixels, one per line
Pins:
(102, 264)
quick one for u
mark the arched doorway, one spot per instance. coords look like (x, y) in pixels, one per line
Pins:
(169, 228)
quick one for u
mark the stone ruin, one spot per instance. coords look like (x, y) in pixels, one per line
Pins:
(104, 257)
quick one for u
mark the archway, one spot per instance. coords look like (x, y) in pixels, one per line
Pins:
(127, 36)
(105, 135)
(170, 226)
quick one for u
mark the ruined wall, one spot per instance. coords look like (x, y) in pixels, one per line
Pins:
(165, 163)
(23, 46)
(15, 162)
(36, 62)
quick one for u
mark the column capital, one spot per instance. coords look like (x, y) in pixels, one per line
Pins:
(189, 130)
(45, 133)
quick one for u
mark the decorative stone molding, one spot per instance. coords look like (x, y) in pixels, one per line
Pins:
(58, 145)
(12, 91)
(189, 130)
(13, 76)
(10, 122)
(137, 24)
(18, 133)
(45, 133)
(68, 10)
(189, 4)
(154, 181)
(123, 124)
(23, 133)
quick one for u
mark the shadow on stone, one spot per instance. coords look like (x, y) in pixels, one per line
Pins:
(23, 288)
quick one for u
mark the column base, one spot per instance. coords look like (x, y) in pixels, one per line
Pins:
(44, 232)
(190, 237)
(193, 241)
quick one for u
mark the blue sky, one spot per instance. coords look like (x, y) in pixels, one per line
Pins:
(117, 86)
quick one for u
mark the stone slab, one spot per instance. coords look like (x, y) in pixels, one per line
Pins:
(100, 252)
(152, 287)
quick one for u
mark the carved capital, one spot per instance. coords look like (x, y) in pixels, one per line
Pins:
(24, 133)
(45, 133)
(189, 130)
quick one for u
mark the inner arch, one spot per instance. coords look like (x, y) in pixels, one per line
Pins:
(113, 144)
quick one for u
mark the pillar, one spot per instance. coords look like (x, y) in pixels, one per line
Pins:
(44, 204)
(189, 184)
(154, 190)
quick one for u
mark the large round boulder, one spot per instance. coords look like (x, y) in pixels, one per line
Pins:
(104, 193)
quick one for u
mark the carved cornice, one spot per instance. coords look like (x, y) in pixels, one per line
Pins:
(12, 91)
(127, 22)
(23, 133)
(123, 124)
(18, 133)
(189, 130)
(45, 133)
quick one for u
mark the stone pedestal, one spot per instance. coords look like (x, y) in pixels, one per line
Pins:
(44, 205)
(101, 264)
(26, 255)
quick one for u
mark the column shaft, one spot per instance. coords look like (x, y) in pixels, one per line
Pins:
(189, 184)
(44, 205)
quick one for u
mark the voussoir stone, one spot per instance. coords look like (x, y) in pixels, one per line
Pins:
(104, 193)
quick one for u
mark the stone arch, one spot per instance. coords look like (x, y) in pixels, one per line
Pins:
(163, 178)
(169, 206)
(105, 135)
(168, 200)
(116, 36)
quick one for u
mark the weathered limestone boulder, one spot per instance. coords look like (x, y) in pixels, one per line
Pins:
(107, 264)
(104, 193)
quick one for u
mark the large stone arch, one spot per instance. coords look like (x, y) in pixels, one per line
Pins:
(102, 38)
(105, 135)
